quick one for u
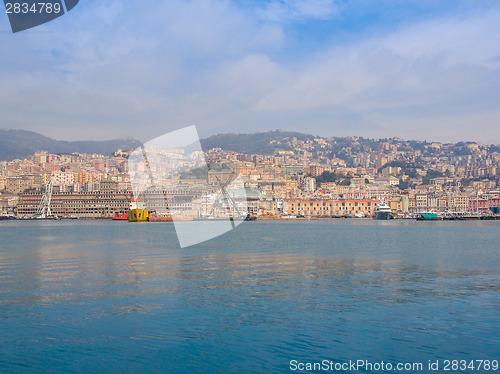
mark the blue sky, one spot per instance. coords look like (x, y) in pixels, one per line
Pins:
(413, 69)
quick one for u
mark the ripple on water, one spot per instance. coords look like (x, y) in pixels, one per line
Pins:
(80, 297)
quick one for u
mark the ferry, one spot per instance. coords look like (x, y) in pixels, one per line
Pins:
(383, 211)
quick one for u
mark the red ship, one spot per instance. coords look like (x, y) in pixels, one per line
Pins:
(120, 217)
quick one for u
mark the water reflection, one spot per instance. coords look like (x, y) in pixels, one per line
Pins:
(132, 298)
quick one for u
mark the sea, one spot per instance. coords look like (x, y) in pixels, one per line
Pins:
(266, 297)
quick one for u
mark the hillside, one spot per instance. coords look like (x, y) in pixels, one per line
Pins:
(20, 144)
(260, 143)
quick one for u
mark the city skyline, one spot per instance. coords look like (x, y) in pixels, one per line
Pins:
(414, 70)
(341, 175)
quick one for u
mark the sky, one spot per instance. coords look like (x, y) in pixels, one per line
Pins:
(424, 70)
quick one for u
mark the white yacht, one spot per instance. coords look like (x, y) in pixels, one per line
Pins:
(383, 211)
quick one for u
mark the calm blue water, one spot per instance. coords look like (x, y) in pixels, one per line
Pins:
(118, 297)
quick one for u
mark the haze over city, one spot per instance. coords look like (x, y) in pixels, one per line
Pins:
(416, 70)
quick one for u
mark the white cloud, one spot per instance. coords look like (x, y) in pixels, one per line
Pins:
(471, 40)
(128, 68)
(284, 10)
(437, 68)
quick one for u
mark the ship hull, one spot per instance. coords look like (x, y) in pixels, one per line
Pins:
(120, 217)
(383, 216)
(168, 219)
(138, 215)
(428, 217)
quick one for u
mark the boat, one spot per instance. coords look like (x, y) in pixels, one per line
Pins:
(137, 211)
(495, 217)
(155, 218)
(138, 215)
(428, 216)
(382, 211)
(167, 218)
(68, 216)
(495, 209)
(5, 216)
(44, 217)
(120, 217)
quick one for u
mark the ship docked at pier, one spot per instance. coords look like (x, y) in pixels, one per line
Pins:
(382, 211)
(6, 216)
(138, 211)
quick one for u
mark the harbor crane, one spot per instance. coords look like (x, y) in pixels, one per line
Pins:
(43, 211)
(224, 200)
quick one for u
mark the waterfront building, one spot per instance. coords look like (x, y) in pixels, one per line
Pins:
(345, 207)
(8, 202)
(485, 205)
(459, 203)
(355, 206)
(101, 204)
(310, 207)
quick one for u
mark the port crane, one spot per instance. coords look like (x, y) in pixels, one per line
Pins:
(224, 200)
(43, 210)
